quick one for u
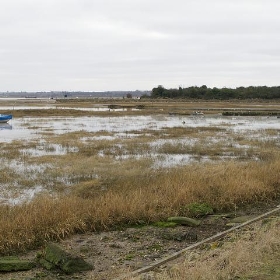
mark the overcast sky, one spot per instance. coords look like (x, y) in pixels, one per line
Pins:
(99, 45)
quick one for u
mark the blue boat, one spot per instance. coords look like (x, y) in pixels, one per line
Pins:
(5, 118)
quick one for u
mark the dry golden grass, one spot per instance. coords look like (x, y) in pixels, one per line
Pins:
(148, 197)
(251, 254)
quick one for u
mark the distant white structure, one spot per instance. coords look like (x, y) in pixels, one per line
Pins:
(198, 113)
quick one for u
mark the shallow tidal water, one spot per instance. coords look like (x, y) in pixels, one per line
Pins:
(30, 128)
(27, 128)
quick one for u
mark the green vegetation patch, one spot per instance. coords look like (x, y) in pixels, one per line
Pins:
(8, 264)
(54, 256)
(199, 209)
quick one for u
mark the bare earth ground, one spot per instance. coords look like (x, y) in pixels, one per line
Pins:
(114, 253)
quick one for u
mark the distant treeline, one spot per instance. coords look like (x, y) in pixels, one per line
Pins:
(203, 92)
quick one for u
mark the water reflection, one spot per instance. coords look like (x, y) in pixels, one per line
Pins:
(125, 126)
(100, 108)
(5, 126)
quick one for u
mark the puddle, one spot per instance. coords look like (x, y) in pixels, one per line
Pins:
(167, 160)
(161, 142)
(104, 108)
(110, 137)
(49, 149)
(31, 171)
(21, 196)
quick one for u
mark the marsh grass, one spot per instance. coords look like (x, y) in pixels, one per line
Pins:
(87, 159)
(135, 196)
(92, 187)
(179, 106)
(182, 131)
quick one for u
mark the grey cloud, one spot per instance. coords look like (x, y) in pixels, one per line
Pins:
(124, 44)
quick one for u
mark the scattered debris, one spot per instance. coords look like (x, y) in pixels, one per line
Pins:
(9, 264)
(55, 258)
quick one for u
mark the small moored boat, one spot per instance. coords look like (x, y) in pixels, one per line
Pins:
(5, 118)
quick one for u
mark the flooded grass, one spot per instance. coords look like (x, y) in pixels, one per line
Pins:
(97, 172)
(130, 192)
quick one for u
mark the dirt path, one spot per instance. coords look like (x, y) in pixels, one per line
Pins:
(114, 253)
